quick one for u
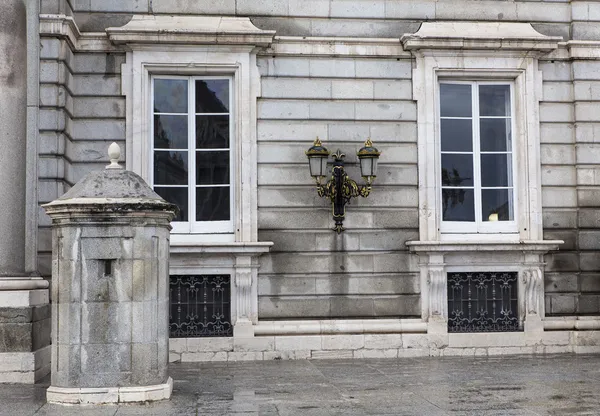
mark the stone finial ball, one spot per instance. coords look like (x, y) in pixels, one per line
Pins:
(114, 153)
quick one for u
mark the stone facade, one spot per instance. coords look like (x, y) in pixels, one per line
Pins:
(342, 70)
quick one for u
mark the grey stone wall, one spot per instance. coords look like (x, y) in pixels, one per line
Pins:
(377, 18)
(366, 271)
(81, 113)
(313, 272)
(573, 284)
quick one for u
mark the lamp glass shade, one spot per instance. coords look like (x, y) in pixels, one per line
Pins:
(317, 166)
(368, 166)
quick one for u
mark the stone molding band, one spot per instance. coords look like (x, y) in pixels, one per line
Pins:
(109, 395)
(23, 283)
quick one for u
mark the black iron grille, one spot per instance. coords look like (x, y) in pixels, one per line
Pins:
(200, 306)
(483, 302)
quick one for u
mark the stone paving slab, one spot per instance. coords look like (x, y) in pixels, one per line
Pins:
(500, 386)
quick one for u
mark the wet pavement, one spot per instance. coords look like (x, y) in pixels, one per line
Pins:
(517, 385)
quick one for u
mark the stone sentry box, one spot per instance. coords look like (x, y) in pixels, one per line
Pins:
(110, 294)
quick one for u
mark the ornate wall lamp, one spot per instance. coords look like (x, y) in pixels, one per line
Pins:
(340, 189)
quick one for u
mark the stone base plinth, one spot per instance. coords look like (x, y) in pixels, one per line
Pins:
(24, 367)
(109, 395)
(24, 330)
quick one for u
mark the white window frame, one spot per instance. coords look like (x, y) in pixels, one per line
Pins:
(235, 62)
(192, 226)
(478, 226)
(486, 51)
(522, 71)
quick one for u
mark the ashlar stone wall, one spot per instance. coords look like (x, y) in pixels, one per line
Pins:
(81, 113)
(313, 272)
(366, 271)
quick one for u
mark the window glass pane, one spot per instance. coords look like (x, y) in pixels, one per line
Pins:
(170, 168)
(497, 201)
(457, 170)
(458, 205)
(457, 135)
(495, 134)
(212, 204)
(212, 96)
(494, 100)
(212, 168)
(170, 95)
(177, 196)
(171, 132)
(455, 100)
(496, 170)
(212, 132)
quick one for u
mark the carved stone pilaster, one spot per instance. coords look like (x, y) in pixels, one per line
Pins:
(243, 283)
(438, 296)
(534, 291)
(245, 296)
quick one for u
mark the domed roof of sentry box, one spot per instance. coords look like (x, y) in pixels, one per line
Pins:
(112, 186)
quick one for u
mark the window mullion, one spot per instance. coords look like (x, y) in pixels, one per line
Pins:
(476, 156)
(191, 153)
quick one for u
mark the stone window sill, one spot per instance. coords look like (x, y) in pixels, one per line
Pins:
(471, 246)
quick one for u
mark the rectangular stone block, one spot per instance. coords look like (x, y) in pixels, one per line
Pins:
(559, 175)
(16, 337)
(590, 282)
(560, 133)
(588, 304)
(332, 110)
(558, 197)
(334, 354)
(560, 282)
(334, 68)
(257, 344)
(562, 304)
(562, 262)
(209, 344)
(282, 109)
(283, 66)
(383, 353)
(203, 356)
(99, 359)
(352, 306)
(555, 70)
(298, 343)
(296, 88)
(225, 7)
(244, 356)
(98, 322)
(383, 341)
(559, 218)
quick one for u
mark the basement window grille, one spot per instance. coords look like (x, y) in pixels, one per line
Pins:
(483, 302)
(200, 306)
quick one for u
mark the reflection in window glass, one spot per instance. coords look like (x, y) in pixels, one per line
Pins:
(170, 168)
(170, 132)
(494, 100)
(212, 132)
(455, 100)
(192, 148)
(170, 96)
(476, 153)
(212, 204)
(458, 205)
(457, 135)
(495, 134)
(212, 96)
(178, 196)
(457, 170)
(497, 205)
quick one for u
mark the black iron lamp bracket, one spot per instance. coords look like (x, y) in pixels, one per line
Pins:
(340, 189)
